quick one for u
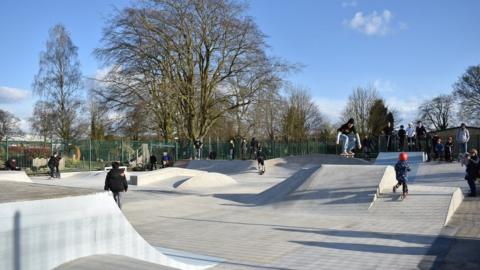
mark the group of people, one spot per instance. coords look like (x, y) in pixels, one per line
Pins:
(166, 161)
(54, 165)
(417, 139)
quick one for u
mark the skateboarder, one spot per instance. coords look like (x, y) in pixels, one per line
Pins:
(261, 160)
(401, 169)
(348, 136)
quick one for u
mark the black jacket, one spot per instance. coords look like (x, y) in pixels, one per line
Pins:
(116, 180)
(472, 167)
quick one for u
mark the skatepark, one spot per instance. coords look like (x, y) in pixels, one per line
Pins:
(305, 212)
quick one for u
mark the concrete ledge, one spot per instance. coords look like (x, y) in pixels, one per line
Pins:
(386, 183)
(44, 234)
(15, 176)
(455, 201)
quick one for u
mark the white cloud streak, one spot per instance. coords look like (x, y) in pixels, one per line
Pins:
(331, 108)
(12, 95)
(374, 24)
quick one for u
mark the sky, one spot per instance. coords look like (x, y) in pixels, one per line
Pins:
(410, 50)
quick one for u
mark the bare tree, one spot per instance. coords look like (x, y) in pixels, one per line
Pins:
(467, 92)
(437, 112)
(359, 105)
(58, 82)
(9, 125)
(43, 119)
(192, 50)
(302, 117)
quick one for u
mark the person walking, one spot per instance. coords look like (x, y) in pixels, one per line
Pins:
(411, 137)
(462, 137)
(116, 181)
(198, 148)
(253, 148)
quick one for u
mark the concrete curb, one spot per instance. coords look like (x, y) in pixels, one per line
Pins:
(455, 201)
(15, 176)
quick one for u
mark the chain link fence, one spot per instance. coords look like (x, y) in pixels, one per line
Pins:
(85, 155)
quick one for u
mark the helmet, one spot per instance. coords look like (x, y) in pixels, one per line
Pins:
(403, 156)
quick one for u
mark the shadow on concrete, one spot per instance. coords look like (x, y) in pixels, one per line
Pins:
(435, 251)
(16, 242)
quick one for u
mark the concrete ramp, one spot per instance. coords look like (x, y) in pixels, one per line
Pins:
(146, 178)
(14, 176)
(332, 189)
(43, 234)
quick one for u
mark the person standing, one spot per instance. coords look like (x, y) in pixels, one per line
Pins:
(367, 147)
(243, 147)
(462, 138)
(57, 165)
(51, 166)
(401, 138)
(231, 150)
(198, 148)
(153, 162)
(421, 135)
(116, 181)
(449, 149)
(388, 132)
(471, 160)
(253, 148)
(411, 137)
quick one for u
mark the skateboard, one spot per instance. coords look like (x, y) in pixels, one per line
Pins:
(348, 155)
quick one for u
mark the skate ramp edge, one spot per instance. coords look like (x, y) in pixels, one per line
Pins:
(147, 178)
(455, 201)
(15, 176)
(207, 180)
(44, 234)
(386, 183)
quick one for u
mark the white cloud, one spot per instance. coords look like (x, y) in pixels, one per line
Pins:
(407, 107)
(384, 86)
(374, 24)
(351, 3)
(331, 108)
(12, 95)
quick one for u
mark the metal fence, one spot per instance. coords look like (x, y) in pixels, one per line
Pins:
(95, 155)
(81, 155)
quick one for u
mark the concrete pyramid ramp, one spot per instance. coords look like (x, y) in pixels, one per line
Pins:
(334, 189)
(207, 180)
(14, 176)
(44, 234)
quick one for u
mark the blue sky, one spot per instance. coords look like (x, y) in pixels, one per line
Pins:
(411, 50)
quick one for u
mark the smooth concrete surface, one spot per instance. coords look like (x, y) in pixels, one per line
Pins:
(14, 176)
(303, 213)
(44, 234)
(146, 178)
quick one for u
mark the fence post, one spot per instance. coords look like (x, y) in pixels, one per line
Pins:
(6, 146)
(90, 154)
